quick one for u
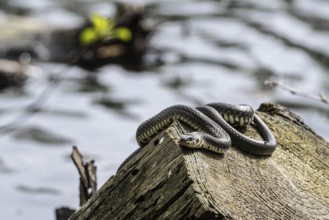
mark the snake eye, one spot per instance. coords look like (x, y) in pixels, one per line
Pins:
(187, 140)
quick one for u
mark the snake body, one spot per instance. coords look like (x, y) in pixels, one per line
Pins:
(214, 128)
(214, 125)
(246, 144)
(208, 134)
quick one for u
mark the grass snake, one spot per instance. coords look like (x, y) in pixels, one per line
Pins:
(214, 128)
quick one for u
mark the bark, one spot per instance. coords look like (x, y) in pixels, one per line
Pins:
(166, 181)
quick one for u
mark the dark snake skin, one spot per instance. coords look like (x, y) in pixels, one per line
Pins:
(216, 139)
(244, 143)
(213, 125)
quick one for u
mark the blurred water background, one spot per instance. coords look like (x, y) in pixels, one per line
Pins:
(211, 51)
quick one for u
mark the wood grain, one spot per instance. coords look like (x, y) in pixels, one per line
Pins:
(166, 181)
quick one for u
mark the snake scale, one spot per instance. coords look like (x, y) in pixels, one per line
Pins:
(213, 128)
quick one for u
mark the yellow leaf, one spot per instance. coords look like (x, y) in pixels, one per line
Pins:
(88, 36)
(123, 34)
(101, 24)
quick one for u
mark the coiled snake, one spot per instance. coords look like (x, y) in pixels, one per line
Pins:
(214, 128)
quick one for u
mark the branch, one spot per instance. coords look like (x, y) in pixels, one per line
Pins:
(321, 97)
(87, 171)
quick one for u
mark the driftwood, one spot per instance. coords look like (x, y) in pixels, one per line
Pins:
(63, 213)
(87, 185)
(165, 181)
(87, 172)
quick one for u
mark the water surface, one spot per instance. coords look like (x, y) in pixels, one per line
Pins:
(212, 51)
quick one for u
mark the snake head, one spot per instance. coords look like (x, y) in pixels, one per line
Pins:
(192, 140)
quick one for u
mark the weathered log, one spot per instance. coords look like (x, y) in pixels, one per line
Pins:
(165, 181)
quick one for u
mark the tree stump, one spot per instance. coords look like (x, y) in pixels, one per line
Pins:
(166, 181)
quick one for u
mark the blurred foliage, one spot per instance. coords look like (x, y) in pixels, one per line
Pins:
(102, 28)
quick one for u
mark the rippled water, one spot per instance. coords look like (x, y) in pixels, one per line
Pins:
(213, 51)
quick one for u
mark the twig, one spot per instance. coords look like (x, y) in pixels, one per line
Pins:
(87, 186)
(87, 171)
(321, 97)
